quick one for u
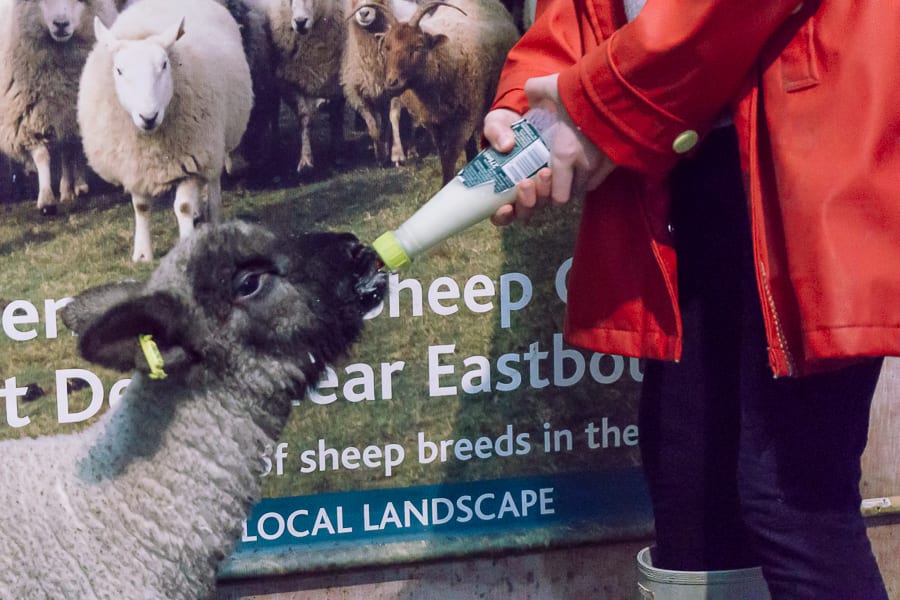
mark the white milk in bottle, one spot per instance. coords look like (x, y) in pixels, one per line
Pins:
(478, 190)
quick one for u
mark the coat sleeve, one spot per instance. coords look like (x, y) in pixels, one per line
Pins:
(646, 91)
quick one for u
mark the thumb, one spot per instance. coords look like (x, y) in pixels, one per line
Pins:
(543, 92)
(498, 131)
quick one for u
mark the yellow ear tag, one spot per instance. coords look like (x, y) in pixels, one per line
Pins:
(153, 356)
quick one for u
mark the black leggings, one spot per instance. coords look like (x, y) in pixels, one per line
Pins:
(745, 469)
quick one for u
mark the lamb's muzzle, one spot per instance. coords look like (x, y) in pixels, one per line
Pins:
(345, 256)
(372, 282)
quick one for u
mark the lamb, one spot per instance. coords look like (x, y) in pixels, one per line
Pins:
(363, 73)
(451, 63)
(146, 502)
(43, 46)
(308, 36)
(165, 95)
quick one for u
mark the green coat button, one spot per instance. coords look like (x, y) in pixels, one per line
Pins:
(685, 141)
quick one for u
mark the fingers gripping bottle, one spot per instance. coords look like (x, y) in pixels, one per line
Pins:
(478, 190)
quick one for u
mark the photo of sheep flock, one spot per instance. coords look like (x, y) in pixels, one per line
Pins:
(128, 125)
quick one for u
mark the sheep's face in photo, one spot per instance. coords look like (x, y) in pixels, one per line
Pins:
(304, 14)
(402, 53)
(406, 49)
(142, 73)
(367, 18)
(236, 302)
(406, 45)
(62, 17)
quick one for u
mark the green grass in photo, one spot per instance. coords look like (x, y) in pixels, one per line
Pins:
(90, 243)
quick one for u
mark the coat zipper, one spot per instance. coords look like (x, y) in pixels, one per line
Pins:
(781, 353)
(780, 358)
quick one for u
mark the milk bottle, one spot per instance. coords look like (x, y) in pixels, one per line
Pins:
(478, 190)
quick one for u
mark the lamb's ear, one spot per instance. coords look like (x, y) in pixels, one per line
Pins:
(113, 339)
(90, 304)
(170, 35)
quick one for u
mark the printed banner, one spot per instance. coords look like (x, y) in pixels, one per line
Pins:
(461, 413)
(461, 423)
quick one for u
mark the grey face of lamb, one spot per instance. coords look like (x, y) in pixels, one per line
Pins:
(233, 298)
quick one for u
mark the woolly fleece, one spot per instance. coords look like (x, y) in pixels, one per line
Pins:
(205, 119)
(309, 64)
(363, 72)
(456, 88)
(146, 503)
(39, 77)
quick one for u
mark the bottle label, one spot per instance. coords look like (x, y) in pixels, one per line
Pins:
(529, 155)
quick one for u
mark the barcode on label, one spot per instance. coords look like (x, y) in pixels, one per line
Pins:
(528, 162)
(528, 156)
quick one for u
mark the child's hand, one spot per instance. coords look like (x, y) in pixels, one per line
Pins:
(576, 164)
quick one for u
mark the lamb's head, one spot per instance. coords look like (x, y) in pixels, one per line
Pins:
(406, 45)
(235, 305)
(63, 18)
(142, 73)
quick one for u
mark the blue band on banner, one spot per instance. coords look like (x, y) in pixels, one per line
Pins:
(607, 498)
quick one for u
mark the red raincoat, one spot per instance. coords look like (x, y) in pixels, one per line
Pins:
(814, 90)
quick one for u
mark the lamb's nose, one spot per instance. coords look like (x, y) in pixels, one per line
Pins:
(300, 25)
(371, 283)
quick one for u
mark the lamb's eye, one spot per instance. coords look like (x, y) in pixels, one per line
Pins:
(119, 71)
(247, 283)
(165, 64)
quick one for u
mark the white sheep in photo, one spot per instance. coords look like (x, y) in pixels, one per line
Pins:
(308, 37)
(165, 96)
(145, 503)
(449, 56)
(43, 47)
